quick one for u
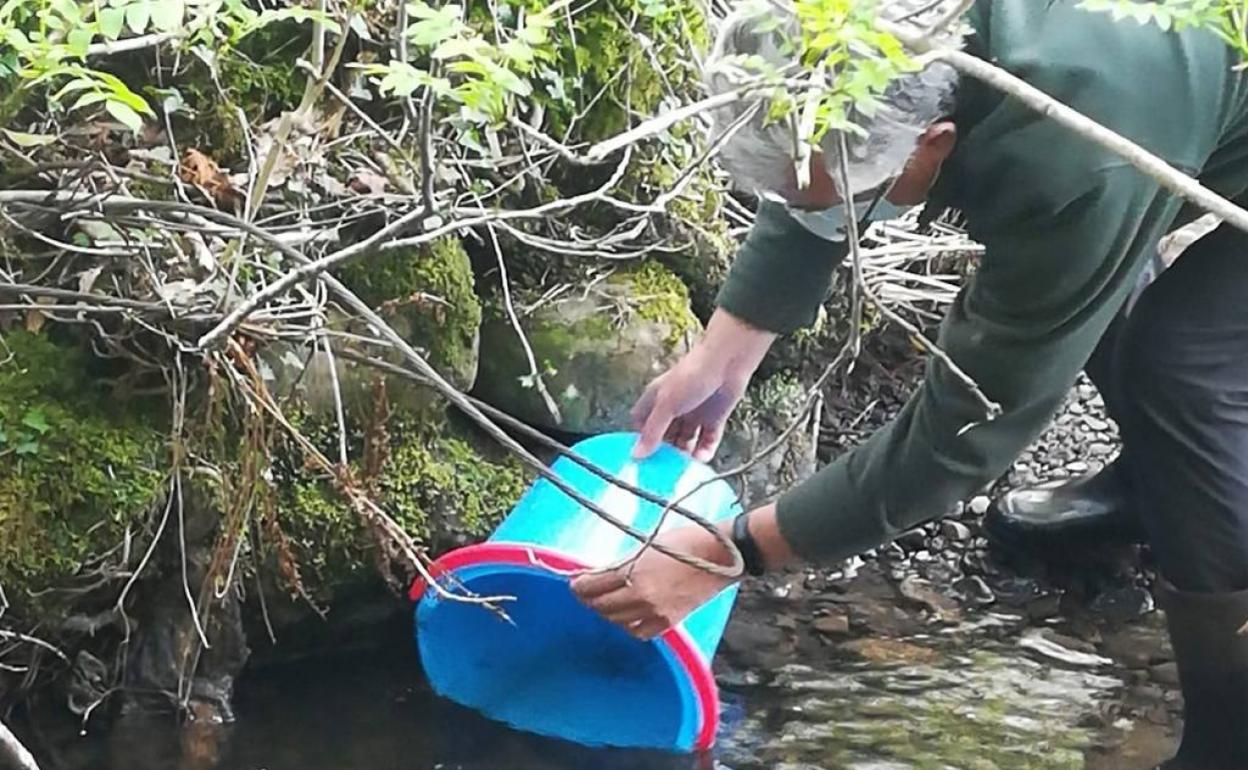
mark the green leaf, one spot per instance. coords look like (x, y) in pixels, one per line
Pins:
(27, 448)
(29, 140)
(124, 113)
(457, 47)
(167, 15)
(121, 92)
(68, 9)
(79, 40)
(77, 84)
(112, 21)
(86, 100)
(138, 14)
(435, 26)
(36, 421)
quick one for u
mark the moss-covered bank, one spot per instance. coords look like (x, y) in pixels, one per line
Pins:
(80, 469)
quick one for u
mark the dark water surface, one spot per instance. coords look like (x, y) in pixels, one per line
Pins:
(371, 712)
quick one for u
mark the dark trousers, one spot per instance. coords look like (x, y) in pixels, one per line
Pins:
(1173, 369)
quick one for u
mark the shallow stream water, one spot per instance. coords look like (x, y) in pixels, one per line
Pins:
(968, 697)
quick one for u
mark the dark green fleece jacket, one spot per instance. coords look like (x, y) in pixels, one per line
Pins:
(1067, 228)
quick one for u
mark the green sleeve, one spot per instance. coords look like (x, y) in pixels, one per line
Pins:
(1057, 268)
(781, 273)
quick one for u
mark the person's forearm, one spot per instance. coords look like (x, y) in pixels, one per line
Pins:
(735, 343)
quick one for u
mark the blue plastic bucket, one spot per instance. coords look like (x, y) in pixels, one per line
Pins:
(558, 668)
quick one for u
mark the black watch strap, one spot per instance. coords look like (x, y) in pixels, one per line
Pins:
(745, 543)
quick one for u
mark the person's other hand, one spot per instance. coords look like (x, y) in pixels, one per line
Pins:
(689, 404)
(656, 592)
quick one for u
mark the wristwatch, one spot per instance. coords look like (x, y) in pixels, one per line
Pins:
(744, 541)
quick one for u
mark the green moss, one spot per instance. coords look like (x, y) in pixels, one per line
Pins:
(444, 486)
(259, 76)
(657, 295)
(427, 293)
(75, 468)
(435, 483)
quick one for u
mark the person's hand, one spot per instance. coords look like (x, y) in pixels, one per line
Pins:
(656, 592)
(689, 404)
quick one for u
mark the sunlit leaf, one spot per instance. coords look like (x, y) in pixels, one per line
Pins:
(125, 114)
(167, 15)
(112, 21)
(86, 100)
(138, 14)
(22, 139)
(36, 421)
(79, 41)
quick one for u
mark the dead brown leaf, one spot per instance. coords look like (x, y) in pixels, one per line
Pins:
(34, 321)
(203, 172)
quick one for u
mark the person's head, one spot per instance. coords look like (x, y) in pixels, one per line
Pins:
(906, 140)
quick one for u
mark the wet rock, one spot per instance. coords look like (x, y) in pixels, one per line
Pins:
(974, 591)
(1119, 605)
(1100, 449)
(1077, 467)
(737, 677)
(925, 595)
(1147, 692)
(1017, 590)
(1165, 674)
(1042, 643)
(980, 504)
(892, 552)
(751, 641)
(1138, 646)
(955, 531)
(832, 625)
(891, 651)
(1068, 641)
(912, 540)
(1045, 607)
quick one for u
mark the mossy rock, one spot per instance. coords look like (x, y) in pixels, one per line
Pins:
(78, 467)
(597, 347)
(703, 262)
(426, 294)
(440, 481)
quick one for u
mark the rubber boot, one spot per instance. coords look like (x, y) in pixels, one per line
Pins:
(1091, 510)
(1212, 655)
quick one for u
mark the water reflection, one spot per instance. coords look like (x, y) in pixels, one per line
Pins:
(370, 714)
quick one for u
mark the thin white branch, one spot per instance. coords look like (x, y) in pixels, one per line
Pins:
(130, 44)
